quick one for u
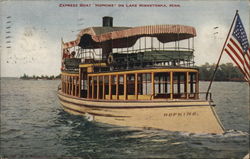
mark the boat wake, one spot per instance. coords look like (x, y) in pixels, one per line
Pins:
(231, 133)
(228, 133)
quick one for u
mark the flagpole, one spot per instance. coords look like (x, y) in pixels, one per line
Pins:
(217, 65)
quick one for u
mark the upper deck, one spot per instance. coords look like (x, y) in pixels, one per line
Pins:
(123, 48)
(125, 63)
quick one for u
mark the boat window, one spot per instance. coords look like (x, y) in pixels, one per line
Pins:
(179, 85)
(131, 84)
(184, 85)
(144, 84)
(121, 85)
(113, 86)
(193, 85)
(83, 82)
(162, 85)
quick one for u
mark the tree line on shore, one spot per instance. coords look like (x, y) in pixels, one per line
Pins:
(45, 77)
(225, 72)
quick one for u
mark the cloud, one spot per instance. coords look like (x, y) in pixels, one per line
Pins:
(209, 42)
(33, 52)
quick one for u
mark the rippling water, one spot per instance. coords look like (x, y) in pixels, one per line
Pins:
(34, 126)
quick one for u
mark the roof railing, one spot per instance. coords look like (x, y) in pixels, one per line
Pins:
(152, 49)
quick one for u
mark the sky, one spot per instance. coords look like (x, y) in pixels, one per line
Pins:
(31, 31)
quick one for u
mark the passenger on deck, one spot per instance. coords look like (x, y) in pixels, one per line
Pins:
(72, 55)
(66, 54)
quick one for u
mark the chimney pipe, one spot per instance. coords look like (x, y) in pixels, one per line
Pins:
(107, 21)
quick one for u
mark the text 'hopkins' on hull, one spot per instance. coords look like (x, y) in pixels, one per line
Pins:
(136, 76)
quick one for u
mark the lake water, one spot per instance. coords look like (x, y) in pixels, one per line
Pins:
(33, 125)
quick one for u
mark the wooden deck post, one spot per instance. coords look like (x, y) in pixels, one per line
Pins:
(171, 85)
(79, 83)
(62, 82)
(117, 86)
(136, 86)
(103, 87)
(79, 86)
(88, 84)
(153, 84)
(187, 81)
(97, 96)
(72, 85)
(76, 84)
(63, 89)
(125, 86)
(66, 84)
(110, 87)
(93, 89)
(69, 88)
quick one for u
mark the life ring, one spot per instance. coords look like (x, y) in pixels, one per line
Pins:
(110, 59)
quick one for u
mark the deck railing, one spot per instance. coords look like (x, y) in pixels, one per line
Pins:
(128, 51)
(143, 57)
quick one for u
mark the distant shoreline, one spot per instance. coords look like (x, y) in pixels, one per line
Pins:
(39, 79)
(29, 78)
(42, 77)
(223, 81)
(60, 78)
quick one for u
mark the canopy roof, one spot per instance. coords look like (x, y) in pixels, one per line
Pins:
(121, 37)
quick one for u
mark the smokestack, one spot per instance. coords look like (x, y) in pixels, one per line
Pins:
(107, 21)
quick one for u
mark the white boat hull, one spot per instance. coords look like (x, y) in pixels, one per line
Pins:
(193, 116)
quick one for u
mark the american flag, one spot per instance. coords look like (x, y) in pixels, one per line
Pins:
(238, 48)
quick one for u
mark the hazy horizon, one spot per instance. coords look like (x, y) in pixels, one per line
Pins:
(60, 72)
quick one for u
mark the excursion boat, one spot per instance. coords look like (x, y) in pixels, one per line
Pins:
(136, 76)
